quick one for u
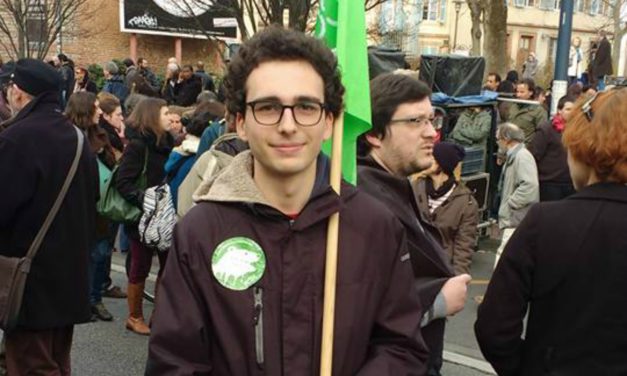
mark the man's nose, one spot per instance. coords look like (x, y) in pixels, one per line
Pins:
(287, 123)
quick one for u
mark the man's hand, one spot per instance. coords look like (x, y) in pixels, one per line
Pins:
(454, 291)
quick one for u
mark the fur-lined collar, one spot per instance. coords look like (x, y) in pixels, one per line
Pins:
(234, 184)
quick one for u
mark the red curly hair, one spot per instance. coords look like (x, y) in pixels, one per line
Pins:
(602, 142)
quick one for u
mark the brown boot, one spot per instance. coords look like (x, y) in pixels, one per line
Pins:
(135, 321)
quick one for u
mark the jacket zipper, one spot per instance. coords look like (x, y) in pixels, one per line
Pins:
(258, 323)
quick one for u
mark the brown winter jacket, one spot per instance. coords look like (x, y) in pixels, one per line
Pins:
(457, 220)
(203, 328)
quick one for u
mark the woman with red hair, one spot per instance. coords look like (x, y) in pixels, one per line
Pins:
(566, 263)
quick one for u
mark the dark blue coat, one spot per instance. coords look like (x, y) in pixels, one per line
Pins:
(116, 86)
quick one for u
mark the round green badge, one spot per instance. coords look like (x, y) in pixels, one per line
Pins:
(238, 263)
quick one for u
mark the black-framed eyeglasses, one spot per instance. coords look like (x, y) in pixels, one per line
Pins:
(419, 122)
(305, 113)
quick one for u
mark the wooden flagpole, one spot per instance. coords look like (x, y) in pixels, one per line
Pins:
(330, 270)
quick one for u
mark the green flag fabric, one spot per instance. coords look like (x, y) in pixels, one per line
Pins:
(342, 25)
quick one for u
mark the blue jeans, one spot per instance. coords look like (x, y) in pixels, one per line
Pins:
(124, 244)
(601, 84)
(99, 258)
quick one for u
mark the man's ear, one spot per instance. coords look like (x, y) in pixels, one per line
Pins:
(329, 123)
(240, 127)
(374, 140)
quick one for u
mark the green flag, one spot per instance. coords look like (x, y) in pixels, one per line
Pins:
(342, 25)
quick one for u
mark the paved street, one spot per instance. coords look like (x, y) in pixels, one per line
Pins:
(108, 349)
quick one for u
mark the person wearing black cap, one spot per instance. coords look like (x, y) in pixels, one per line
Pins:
(450, 205)
(37, 150)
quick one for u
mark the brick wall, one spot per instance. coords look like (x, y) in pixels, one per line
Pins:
(96, 38)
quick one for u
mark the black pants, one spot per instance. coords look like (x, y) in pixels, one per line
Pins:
(555, 191)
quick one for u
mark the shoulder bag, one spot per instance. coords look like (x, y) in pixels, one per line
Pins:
(14, 270)
(115, 207)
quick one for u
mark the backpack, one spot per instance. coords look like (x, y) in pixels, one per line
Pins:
(156, 224)
(206, 167)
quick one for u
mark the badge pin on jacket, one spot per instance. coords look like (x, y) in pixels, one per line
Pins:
(238, 263)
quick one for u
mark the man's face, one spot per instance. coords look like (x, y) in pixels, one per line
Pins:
(491, 83)
(502, 143)
(144, 63)
(175, 123)
(407, 147)
(287, 148)
(576, 42)
(523, 92)
(186, 73)
(16, 98)
(567, 110)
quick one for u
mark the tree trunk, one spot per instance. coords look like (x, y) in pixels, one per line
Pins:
(299, 14)
(619, 32)
(495, 41)
(476, 9)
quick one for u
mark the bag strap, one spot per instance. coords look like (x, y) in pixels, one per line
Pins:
(32, 251)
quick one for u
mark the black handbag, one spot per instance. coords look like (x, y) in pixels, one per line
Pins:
(14, 270)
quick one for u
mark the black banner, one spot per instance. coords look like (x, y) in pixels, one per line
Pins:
(178, 18)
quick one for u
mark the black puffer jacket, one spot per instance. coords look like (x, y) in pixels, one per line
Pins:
(132, 165)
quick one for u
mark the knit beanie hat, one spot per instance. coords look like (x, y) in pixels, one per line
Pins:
(448, 156)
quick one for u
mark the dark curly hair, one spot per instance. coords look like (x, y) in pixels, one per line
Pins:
(277, 43)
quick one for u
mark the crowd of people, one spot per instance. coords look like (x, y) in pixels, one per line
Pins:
(240, 290)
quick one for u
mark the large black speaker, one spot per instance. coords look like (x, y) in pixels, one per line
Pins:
(383, 60)
(453, 75)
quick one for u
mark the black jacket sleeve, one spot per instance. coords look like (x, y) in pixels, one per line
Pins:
(500, 317)
(131, 167)
(396, 345)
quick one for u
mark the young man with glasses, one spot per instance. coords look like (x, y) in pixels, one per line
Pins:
(242, 293)
(399, 145)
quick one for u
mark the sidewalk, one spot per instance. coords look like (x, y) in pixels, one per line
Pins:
(460, 345)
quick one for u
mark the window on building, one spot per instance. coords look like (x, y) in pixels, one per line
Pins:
(552, 53)
(36, 22)
(433, 10)
(519, 3)
(549, 4)
(579, 5)
(524, 43)
(595, 6)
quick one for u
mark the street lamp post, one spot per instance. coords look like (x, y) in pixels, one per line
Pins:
(560, 82)
(458, 7)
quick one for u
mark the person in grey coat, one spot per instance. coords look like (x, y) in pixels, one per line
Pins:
(530, 67)
(519, 184)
